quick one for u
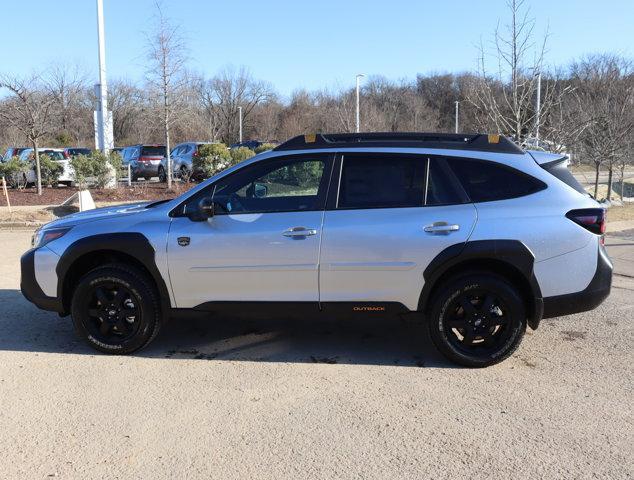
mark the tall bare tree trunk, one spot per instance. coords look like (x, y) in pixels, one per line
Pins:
(166, 119)
(611, 169)
(622, 182)
(597, 166)
(38, 172)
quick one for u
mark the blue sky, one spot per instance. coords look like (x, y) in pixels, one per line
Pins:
(297, 44)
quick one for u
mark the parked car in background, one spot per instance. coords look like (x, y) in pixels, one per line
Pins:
(12, 152)
(182, 161)
(75, 151)
(251, 144)
(56, 154)
(144, 160)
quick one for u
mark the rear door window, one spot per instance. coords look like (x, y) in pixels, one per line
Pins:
(486, 181)
(381, 181)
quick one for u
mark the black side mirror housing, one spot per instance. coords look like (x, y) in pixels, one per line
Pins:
(206, 208)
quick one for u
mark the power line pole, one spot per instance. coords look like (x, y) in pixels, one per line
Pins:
(359, 76)
(457, 109)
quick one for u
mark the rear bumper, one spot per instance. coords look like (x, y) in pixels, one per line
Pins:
(31, 289)
(589, 298)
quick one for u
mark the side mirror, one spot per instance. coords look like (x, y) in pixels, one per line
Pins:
(206, 208)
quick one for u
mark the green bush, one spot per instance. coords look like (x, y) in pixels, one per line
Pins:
(212, 158)
(265, 147)
(50, 170)
(240, 154)
(95, 167)
(14, 171)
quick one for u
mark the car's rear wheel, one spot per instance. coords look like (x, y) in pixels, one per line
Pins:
(162, 175)
(116, 309)
(477, 319)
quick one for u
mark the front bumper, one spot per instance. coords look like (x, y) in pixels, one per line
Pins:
(589, 298)
(31, 289)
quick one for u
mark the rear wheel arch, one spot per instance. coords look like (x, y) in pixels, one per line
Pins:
(88, 253)
(510, 259)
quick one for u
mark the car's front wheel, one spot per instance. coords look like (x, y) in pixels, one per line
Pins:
(162, 175)
(116, 309)
(477, 319)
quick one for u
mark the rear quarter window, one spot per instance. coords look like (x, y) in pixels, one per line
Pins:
(485, 181)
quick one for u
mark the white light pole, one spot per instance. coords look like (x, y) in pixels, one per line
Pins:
(538, 107)
(359, 76)
(457, 107)
(102, 107)
(240, 121)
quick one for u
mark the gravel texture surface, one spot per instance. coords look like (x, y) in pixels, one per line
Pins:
(242, 398)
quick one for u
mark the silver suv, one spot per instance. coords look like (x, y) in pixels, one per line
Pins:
(476, 236)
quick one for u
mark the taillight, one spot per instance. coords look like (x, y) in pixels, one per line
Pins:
(144, 160)
(66, 155)
(592, 219)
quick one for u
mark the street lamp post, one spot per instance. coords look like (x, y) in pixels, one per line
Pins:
(240, 122)
(102, 112)
(359, 76)
(457, 107)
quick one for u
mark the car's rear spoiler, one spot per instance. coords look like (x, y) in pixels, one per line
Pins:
(557, 165)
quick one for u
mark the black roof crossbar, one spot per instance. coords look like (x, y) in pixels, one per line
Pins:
(456, 141)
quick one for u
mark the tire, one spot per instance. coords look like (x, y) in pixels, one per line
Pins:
(477, 319)
(116, 309)
(161, 175)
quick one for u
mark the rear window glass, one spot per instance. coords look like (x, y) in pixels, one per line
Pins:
(79, 151)
(381, 181)
(153, 151)
(53, 155)
(559, 169)
(488, 181)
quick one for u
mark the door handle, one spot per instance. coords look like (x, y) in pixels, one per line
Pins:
(441, 228)
(299, 232)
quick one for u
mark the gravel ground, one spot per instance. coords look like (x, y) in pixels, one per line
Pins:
(237, 398)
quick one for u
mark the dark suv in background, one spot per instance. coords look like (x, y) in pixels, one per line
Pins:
(144, 160)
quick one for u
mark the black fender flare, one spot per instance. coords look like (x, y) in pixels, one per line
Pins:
(512, 253)
(132, 244)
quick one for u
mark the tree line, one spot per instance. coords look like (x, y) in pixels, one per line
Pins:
(585, 107)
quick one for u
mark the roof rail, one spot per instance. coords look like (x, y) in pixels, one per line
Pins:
(478, 142)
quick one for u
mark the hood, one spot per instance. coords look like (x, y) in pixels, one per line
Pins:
(98, 214)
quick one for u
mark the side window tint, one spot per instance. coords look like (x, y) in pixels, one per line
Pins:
(487, 181)
(292, 184)
(381, 181)
(442, 188)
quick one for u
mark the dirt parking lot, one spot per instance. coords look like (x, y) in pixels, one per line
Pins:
(238, 398)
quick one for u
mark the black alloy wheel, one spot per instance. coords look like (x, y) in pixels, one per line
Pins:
(477, 319)
(116, 309)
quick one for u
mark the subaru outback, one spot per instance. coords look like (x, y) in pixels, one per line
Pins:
(476, 236)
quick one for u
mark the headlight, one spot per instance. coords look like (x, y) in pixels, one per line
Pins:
(42, 236)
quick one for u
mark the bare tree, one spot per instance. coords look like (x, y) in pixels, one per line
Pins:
(166, 53)
(29, 111)
(231, 89)
(68, 85)
(605, 85)
(505, 95)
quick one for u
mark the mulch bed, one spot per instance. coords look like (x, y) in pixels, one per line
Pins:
(54, 196)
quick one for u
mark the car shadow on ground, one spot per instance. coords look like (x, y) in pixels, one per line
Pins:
(368, 340)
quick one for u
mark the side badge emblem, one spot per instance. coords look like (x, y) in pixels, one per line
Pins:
(183, 241)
